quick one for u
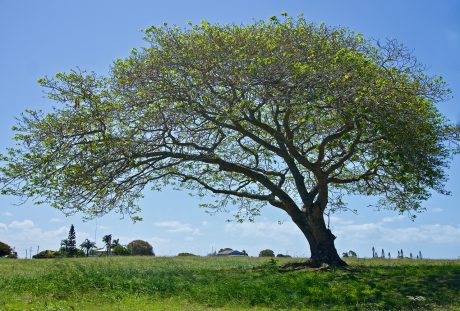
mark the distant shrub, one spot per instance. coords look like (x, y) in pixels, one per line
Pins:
(5, 249)
(266, 253)
(282, 255)
(139, 247)
(120, 250)
(350, 253)
(186, 254)
(48, 254)
(79, 253)
(12, 255)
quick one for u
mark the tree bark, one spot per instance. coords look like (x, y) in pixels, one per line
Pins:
(319, 237)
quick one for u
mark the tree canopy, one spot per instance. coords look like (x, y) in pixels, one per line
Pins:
(88, 245)
(266, 253)
(140, 248)
(283, 113)
(5, 249)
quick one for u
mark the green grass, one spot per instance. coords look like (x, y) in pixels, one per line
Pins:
(200, 283)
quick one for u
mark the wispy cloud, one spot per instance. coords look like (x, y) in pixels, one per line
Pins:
(55, 220)
(437, 210)
(381, 231)
(267, 229)
(390, 232)
(21, 225)
(24, 234)
(178, 227)
(392, 219)
(7, 214)
(159, 240)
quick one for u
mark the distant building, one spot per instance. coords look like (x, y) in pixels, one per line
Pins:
(98, 252)
(230, 252)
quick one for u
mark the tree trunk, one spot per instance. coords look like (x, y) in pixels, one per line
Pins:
(320, 238)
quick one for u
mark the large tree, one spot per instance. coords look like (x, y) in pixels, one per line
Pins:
(281, 113)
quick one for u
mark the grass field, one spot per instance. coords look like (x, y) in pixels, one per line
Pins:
(206, 283)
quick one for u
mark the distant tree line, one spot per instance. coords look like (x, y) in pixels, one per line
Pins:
(68, 248)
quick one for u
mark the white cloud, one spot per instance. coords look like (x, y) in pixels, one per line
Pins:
(159, 240)
(178, 227)
(189, 239)
(7, 214)
(22, 225)
(435, 233)
(25, 234)
(380, 231)
(264, 229)
(340, 221)
(55, 220)
(392, 219)
(437, 210)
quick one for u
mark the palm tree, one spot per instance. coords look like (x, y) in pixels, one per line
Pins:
(107, 239)
(87, 245)
(115, 242)
(64, 245)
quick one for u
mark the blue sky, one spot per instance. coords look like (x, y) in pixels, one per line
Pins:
(40, 38)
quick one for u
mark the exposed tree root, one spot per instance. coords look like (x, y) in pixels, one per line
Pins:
(308, 265)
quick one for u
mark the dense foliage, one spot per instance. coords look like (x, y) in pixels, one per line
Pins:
(107, 239)
(5, 249)
(88, 246)
(266, 253)
(121, 250)
(185, 254)
(139, 247)
(48, 254)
